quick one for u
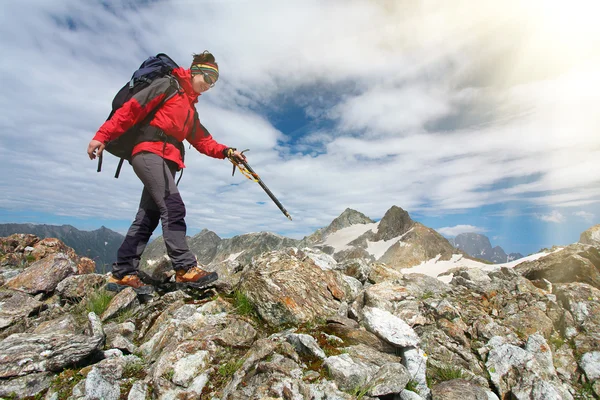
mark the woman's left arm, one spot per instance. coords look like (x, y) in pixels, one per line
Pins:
(202, 141)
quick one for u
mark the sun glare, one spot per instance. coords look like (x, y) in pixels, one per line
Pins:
(568, 26)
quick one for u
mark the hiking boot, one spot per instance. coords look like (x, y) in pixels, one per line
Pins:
(195, 275)
(132, 281)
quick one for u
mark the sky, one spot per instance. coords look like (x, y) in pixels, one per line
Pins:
(472, 116)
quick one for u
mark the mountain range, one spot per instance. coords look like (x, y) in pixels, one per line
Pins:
(479, 246)
(395, 240)
(100, 245)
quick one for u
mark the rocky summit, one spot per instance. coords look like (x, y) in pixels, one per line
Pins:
(304, 323)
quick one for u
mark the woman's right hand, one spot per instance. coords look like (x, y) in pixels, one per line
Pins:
(93, 146)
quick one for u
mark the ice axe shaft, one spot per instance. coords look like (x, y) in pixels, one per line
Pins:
(250, 174)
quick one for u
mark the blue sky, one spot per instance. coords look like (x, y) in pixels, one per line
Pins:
(472, 116)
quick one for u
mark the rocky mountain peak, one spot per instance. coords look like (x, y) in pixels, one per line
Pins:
(395, 222)
(348, 218)
(473, 244)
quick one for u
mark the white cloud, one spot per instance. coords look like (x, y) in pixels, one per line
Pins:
(452, 231)
(587, 216)
(554, 216)
(433, 107)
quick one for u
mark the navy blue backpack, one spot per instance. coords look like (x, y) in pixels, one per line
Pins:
(154, 67)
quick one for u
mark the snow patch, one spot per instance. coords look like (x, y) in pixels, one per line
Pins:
(435, 267)
(339, 240)
(378, 249)
(234, 256)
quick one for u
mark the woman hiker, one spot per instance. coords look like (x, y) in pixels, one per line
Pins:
(156, 162)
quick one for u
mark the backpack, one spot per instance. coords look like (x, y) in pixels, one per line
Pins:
(154, 67)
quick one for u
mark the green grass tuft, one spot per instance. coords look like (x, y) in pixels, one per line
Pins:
(412, 386)
(98, 301)
(228, 369)
(242, 303)
(134, 370)
(64, 383)
(441, 374)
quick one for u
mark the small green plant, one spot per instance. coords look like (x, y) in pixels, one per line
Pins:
(169, 374)
(64, 383)
(557, 341)
(412, 385)
(586, 392)
(124, 315)
(427, 295)
(30, 258)
(125, 388)
(98, 301)
(360, 391)
(134, 370)
(228, 369)
(242, 303)
(442, 374)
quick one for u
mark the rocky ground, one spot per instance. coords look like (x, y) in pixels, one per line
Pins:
(296, 324)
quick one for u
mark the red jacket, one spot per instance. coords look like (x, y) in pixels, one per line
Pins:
(176, 117)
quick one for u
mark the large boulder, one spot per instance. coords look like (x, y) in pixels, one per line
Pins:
(574, 263)
(15, 305)
(591, 236)
(287, 287)
(25, 353)
(44, 275)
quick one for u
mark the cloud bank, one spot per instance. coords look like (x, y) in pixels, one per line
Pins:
(436, 107)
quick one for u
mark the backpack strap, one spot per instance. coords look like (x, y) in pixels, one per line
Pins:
(171, 91)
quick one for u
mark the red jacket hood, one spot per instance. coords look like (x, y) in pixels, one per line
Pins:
(184, 76)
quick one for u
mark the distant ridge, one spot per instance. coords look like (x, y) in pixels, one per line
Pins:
(100, 245)
(479, 246)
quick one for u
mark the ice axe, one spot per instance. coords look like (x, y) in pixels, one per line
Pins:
(249, 173)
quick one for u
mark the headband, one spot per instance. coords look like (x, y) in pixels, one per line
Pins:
(209, 69)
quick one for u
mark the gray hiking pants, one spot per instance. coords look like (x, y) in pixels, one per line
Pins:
(162, 202)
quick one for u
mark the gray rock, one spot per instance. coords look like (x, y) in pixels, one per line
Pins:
(575, 263)
(407, 395)
(306, 344)
(591, 236)
(138, 391)
(75, 287)
(565, 363)
(123, 300)
(352, 287)
(582, 302)
(520, 372)
(287, 287)
(415, 361)
(389, 327)
(121, 343)
(102, 382)
(530, 321)
(390, 378)
(188, 367)
(65, 324)
(348, 373)
(24, 353)
(326, 390)
(26, 386)
(321, 260)
(44, 275)
(460, 389)
(15, 305)
(590, 364)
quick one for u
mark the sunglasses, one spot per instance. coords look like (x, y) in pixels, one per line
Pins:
(208, 79)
